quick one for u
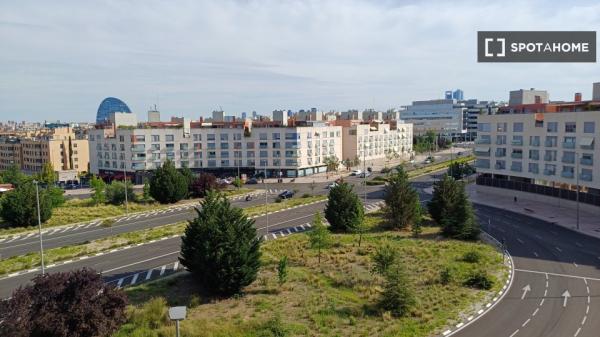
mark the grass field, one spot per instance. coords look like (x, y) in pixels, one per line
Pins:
(336, 298)
(81, 210)
(272, 207)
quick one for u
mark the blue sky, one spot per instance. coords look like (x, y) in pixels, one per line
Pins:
(59, 59)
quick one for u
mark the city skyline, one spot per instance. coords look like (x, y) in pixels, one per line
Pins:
(245, 56)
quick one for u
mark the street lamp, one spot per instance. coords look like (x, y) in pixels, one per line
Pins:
(125, 181)
(37, 198)
(577, 178)
(177, 314)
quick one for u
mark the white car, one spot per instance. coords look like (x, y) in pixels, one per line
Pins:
(356, 172)
(332, 185)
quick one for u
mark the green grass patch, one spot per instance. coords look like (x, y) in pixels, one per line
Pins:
(335, 298)
(32, 260)
(283, 204)
(438, 166)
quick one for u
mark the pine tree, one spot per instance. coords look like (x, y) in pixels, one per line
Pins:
(344, 210)
(146, 191)
(319, 237)
(397, 296)
(220, 247)
(47, 175)
(450, 208)
(168, 185)
(402, 207)
(19, 206)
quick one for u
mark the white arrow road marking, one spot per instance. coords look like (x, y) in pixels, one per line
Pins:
(525, 290)
(566, 295)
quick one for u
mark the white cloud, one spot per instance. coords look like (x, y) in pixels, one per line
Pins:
(61, 58)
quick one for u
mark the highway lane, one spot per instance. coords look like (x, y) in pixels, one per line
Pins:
(117, 264)
(550, 260)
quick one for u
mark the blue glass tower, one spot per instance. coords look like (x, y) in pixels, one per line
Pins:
(108, 106)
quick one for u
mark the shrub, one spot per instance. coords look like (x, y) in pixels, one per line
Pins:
(472, 257)
(19, 206)
(220, 247)
(282, 270)
(384, 257)
(306, 195)
(98, 187)
(272, 328)
(479, 279)
(344, 210)
(168, 185)
(397, 296)
(74, 304)
(203, 183)
(115, 192)
(445, 276)
(278, 199)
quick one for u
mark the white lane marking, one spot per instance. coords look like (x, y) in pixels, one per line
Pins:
(514, 333)
(142, 261)
(560, 250)
(556, 274)
(149, 274)
(583, 320)
(175, 265)
(575, 264)
(120, 282)
(134, 278)
(162, 270)
(536, 254)
(520, 241)
(541, 302)
(577, 332)
(526, 322)
(535, 312)
(274, 236)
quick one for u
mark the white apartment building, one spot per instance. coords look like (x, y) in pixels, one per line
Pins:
(222, 148)
(375, 140)
(541, 152)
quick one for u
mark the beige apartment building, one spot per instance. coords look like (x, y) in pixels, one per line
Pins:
(68, 154)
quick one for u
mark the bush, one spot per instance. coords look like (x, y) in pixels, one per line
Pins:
(445, 276)
(397, 296)
(56, 196)
(472, 257)
(220, 247)
(306, 195)
(272, 328)
(203, 183)
(479, 279)
(278, 199)
(282, 270)
(168, 185)
(74, 304)
(344, 210)
(385, 256)
(115, 192)
(19, 206)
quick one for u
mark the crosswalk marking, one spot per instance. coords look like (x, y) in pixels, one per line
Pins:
(134, 279)
(175, 265)
(120, 282)
(149, 274)
(162, 270)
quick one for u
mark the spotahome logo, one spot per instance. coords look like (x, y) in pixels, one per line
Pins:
(536, 46)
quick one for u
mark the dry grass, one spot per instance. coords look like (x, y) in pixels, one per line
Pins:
(336, 298)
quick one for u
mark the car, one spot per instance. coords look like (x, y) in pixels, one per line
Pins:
(355, 172)
(459, 153)
(364, 174)
(71, 186)
(332, 185)
(252, 181)
(427, 161)
(286, 194)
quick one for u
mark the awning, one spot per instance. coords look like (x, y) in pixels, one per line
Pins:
(586, 141)
(484, 149)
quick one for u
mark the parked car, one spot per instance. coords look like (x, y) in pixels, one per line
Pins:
(332, 185)
(364, 174)
(355, 172)
(459, 153)
(286, 194)
(252, 181)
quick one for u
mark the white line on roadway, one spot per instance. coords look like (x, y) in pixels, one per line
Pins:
(138, 262)
(557, 274)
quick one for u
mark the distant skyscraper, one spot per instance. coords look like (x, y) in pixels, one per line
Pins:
(448, 94)
(254, 114)
(244, 114)
(458, 95)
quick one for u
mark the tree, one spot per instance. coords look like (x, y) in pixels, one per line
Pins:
(19, 206)
(203, 183)
(47, 175)
(237, 182)
(282, 270)
(220, 247)
(332, 163)
(189, 178)
(344, 210)
(146, 191)
(319, 237)
(56, 195)
(98, 187)
(385, 256)
(115, 192)
(74, 304)
(168, 185)
(402, 207)
(14, 176)
(450, 208)
(397, 296)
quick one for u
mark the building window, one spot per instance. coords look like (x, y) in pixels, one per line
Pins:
(155, 138)
(501, 127)
(183, 146)
(517, 127)
(264, 154)
(276, 136)
(552, 127)
(169, 138)
(482, 127)
(589, 127)
(262, 136)
(570, 127)
(210, 137)
(224, 154)
(224, 137)
(224, 146)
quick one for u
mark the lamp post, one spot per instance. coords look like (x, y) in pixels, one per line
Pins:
(577, 178)
(37, 198)
(125, 181)
(177, 314)
(365, 172)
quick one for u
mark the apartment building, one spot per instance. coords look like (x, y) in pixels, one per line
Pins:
(67, 152)
(223, 148)
(375, 140)
(548, 152)
(446, 117)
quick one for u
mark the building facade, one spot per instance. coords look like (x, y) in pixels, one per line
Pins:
(445, 117)
(59, 146)
(549, 152)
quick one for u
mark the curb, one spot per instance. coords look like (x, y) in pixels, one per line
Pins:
(490, 305)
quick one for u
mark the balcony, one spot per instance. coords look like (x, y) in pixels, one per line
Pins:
(484, 164)
(500, 153)
(567, 174)
(535, 143)
(587, 143)
(138, 148)
(484, 141)
(548, 157)
(550, 143)
(500, 166)
(517, 142)
(534, 157)
(516, 168)
(549, 172)
(568, 145)
(586, 161)
(534, 169)
(516, 155)
(568, 160)
(482, 151)
(585, 177)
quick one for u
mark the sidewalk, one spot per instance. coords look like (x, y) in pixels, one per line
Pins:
(558, 211)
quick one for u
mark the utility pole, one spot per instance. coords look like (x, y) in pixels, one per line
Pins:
(577, 174)
(265, 184)
(37, 198)
(125, 181)
(365, 171)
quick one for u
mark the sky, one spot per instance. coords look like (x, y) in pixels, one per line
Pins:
(59, 59)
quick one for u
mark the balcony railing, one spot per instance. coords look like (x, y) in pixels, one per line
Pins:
(516, 155)
(483, 141)
(549, 172)
(568, 160)
(535, 143)
(500, 167)
(516, 168)
(534, 157)
(500, 153)
(550, 143)
(567, 174)
(534, 169)
(586, 161)
(585, 177)
(517, 142)
(549, 157)
(568, 145)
